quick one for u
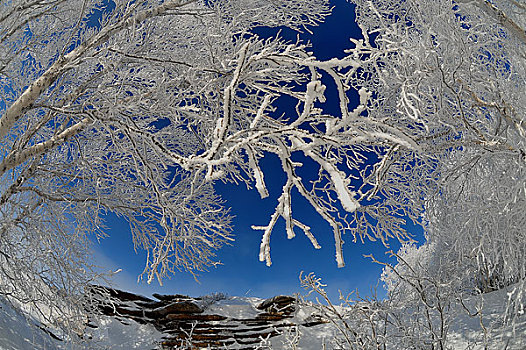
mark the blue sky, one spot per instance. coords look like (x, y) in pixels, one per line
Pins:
(241, 273)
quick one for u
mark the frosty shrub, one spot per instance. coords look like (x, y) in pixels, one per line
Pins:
(208, 300)
(415, 314)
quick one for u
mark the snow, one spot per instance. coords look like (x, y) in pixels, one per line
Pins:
(466, 332)
(235, 307)
(338, 179)
(17, 333)
(20, 333)
(128, 334)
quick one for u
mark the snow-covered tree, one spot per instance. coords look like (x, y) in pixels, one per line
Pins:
(133, 108)
(136, 108)
(451, 75)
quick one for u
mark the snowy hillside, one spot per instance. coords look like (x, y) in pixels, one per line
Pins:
(17, 332)
(239, 323)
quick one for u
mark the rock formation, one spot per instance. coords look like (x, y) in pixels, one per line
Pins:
(211, 322)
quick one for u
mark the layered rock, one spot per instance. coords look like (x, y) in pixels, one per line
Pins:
(207, 322)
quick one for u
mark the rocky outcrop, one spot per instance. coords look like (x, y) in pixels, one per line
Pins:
(279, 304)
(194, 323)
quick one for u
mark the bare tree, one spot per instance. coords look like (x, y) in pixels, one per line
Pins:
(133, 108)
(136, 108)
(451, 76)
(414, 316)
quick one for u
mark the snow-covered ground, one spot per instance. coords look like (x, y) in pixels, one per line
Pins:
(235, 307)
(467, 333)
(114, 334)
(20, 333)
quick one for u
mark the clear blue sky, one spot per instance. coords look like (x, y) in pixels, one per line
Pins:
(242, 273)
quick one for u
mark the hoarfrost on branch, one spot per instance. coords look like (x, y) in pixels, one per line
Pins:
(139, 113)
